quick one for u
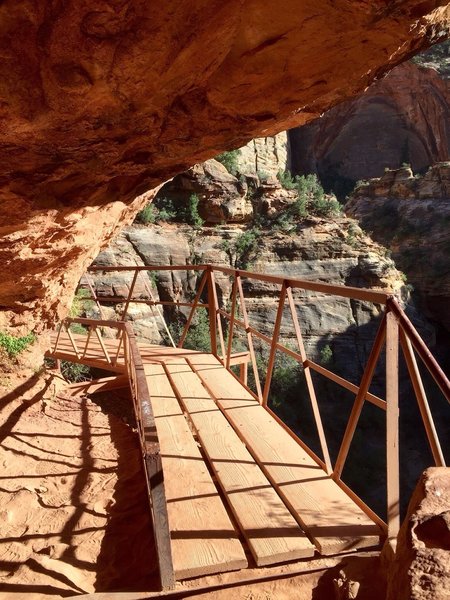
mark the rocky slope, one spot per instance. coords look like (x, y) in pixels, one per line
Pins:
(100, 105)
(403, 118)
(410, 215)
(255, 228)
(338, 332)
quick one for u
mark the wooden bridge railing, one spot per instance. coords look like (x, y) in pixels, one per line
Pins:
(395, 332)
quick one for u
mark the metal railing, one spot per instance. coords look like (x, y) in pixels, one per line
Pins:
(395, 333)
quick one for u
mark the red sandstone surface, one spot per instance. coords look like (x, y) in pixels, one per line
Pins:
(100, 103)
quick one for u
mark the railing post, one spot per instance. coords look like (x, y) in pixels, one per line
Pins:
(273, 346)
(359, 400)
(212, 313)
(392, 418)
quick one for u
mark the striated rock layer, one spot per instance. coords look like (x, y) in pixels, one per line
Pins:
(100, 104)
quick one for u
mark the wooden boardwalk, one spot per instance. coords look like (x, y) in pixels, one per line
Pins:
(239, 488)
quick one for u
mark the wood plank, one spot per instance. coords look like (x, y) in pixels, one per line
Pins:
(392, 428)
(327, 514)
(272, 533)
(96, 386)
(204, 540)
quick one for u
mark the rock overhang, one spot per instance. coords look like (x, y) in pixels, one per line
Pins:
(100, 104)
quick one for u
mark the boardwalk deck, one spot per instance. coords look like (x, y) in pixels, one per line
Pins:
(329, 516)
(272, 533)
(202, 535)
(248, 475)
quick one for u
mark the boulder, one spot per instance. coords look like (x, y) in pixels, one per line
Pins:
(420, 569)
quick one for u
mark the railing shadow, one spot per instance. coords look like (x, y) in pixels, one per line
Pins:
(127, 558)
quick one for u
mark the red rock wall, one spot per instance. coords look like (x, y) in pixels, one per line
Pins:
(403, 118)
(100, 102)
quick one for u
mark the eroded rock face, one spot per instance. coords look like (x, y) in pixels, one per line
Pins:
(332, 250)
(403, 118)
(100, 104)
(410, 216)
(421, 568)
(265, 156)
(222, 197)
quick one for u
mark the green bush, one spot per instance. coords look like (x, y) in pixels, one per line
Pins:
(193, 216)
(285, 222)
(13, 345)
(287, 181)
(74, 372)
(321, 206)
(81, 303)
(147, 215)
(78, 328)
(198, 336)
(165, 209)
(230, 160)
(300, 208)
(326, 355)
(245, 245)
(308, 186)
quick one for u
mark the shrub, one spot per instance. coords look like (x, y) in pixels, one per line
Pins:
(13, 345)
(299, 209)
(146, 215)
(322, 206)
(245, 244)
(193, 216)
(81, 303)
(78, 328)
(286, 180)
(326, 355)
(285, 222)
(309, 186)
(198, 336)
(74, 372)
(166, 210)
(229, 160)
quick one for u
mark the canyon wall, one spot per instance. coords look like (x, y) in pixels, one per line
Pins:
(338, 332)
(403, 118)
(99, 106)
(410, 215)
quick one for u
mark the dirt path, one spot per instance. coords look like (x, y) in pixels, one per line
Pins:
(73, 507)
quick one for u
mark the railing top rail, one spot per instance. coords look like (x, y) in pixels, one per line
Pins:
(96, 322)
(149, 268)
(364, 294)
(421, 348)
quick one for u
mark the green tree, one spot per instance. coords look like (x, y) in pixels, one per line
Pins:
(229, 160)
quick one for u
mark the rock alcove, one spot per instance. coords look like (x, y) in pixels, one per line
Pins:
(101, 104)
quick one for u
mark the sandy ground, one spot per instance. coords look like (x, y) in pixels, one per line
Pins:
(73, 506)
(74, 515)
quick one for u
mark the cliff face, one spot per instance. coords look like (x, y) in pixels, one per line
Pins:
(403, 118)
(338, 332)
(410, 216)
(332, 250)
(100, 105)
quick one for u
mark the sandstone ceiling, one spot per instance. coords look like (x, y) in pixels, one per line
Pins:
(102, 101)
